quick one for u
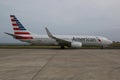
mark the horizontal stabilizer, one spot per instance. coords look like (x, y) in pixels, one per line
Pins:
(9, 34)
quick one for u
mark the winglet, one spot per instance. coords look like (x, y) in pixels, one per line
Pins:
(48, 33)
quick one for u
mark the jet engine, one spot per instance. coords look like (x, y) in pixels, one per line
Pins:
(76, 44)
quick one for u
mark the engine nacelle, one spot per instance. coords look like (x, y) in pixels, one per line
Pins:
(76, 44)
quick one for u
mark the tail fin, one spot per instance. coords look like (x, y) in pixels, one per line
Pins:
(20, 32)
(18, 28)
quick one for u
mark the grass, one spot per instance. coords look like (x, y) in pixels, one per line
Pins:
(115, 45)
(27, 47)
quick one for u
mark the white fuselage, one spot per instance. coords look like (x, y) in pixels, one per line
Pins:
(85, 40)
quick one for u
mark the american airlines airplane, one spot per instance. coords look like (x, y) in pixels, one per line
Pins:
(73, 41)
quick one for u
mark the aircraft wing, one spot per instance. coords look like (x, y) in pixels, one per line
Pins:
(59, 40)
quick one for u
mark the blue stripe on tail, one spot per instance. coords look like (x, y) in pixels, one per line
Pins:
(21, 27)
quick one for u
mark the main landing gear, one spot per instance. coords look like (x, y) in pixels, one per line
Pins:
(62, 47)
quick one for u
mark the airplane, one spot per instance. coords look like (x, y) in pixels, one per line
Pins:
(71, 41)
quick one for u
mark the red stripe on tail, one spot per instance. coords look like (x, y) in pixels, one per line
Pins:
(21, 33)
(12, 15)
(16, 28)
(14, 24)
(13, 20)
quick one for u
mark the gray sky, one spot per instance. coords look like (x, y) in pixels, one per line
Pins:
(81, 17)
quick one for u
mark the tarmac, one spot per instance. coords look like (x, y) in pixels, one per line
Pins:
(58, 64)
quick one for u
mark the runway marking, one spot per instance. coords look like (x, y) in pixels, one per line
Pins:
(34, 76)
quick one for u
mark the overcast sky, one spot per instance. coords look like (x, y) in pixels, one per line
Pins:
(77, 17)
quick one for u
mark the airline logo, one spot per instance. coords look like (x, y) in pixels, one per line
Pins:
(19, 29)
(99, 40)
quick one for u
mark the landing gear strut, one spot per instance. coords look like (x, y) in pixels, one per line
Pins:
(62, 47)
(102, 47)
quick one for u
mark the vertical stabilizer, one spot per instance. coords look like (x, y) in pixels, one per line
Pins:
(19, 30)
